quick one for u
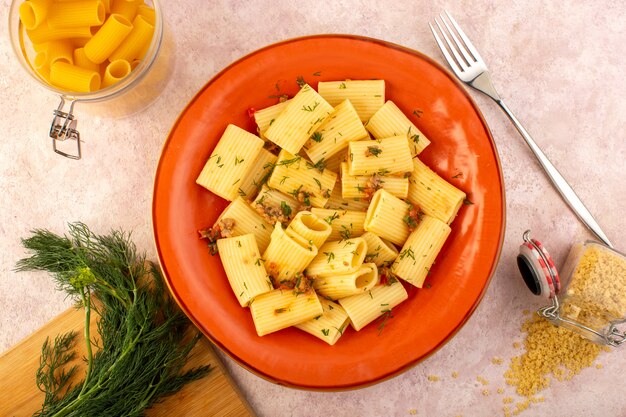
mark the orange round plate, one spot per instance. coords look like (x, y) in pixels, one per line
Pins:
(462, 152)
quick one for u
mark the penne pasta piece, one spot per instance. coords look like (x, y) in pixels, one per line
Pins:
(379, 250)
(364, 186)
(341, 257)
(367, 96)
(81, 60)
(279, 309)
(337, 202)
(345, 224)
(434, 195)
(389, 120)
(382, 156)
(330, 325)
(33, 13)
(134, 43)
(301, 117)
(287, 255)
(386, 217)
(264, 118)
(298, 177)
(337, 286)
(380, 300)
(340, 127)
(76, 14)
(230, 162)
(243, 266)
(334, 162)
(420, 250)
(310, 227)
(259, 174)
(73, 78)
(115, 71)
(108, 38)
(275, 206)
(43, 33)
(244, 220)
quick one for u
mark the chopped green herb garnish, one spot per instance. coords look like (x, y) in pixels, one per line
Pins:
(373, 151)
(330, 255)
(330, 219)
(317, 137)
(300, 81)
(326, 332)
(285, 208)
(342, 86)
(311, 108)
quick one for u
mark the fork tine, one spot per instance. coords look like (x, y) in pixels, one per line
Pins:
(459, 60)
(457, 70)
(469, 59)
(463, 36)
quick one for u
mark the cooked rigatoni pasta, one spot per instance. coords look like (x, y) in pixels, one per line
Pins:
(73, 78)
(434, 195)
(296, 176)
(33, 13)
(134, 43)
(81, 60)
(339, 128)
(379, 251)
(386, 217)
(279, 309)
(341, 257)
(344, 223)
(367, 96)
(301, 117)
(330, 325)
(287, 254)
(243, 219)
(389, 120)
(310, 227)
(264, 118)
(383, 156)
(420, 250)
(365, 308)
(76, 14)
(230, 162)
(108, 38)
(242, 263)
(260, 170)
(337, 286)
(337, 202)
(275, 206)
(363, 186)
(334, 162)
(115, 71)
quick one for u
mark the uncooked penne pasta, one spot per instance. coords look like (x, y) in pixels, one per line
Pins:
(115, 71)
(363, 186)
(344, 223)
(134, 43)
(279, 309)
(34, 12)
(298, 177)
(230, 162)
(341, 257)
(310, 227)
(287, 255)
(108, 38)
(73, 78)
(275, 206)
(420, 250)
(244, 268)
(367, 96)
(329, 326)
(386, 217)
(76, 14)
(246, 220)
(264, 118)
(380, 300)
(434, 195)
(383, 156)
(389, 120)
(379, 250)
(301, 117)
(337, 286)
(339, 128)
(337, 202)
(252, 183)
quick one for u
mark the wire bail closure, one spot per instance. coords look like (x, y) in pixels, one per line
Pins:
(63, 127)
(542, 278)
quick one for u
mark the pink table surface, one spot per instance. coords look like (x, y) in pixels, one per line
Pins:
(559, 66)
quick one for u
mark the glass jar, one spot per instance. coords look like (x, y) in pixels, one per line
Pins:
(588, 296)
(125, 97)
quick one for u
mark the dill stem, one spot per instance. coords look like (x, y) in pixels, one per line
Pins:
(87, 305)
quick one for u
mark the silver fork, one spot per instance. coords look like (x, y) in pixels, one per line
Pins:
(470, 68)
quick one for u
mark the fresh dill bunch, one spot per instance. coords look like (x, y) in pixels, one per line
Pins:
(142, 342)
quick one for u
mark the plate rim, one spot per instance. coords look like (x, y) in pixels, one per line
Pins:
(408, 365)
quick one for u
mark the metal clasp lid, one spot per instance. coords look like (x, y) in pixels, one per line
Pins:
(542, 278)
(63, 127)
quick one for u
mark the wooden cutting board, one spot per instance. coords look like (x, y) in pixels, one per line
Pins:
(214, 395)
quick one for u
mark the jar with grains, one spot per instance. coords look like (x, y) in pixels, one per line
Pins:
(588, 296)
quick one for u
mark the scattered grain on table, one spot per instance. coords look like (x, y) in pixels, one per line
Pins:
(433, 378)
(455, 374)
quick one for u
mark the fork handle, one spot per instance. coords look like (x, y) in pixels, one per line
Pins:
(566, 191)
